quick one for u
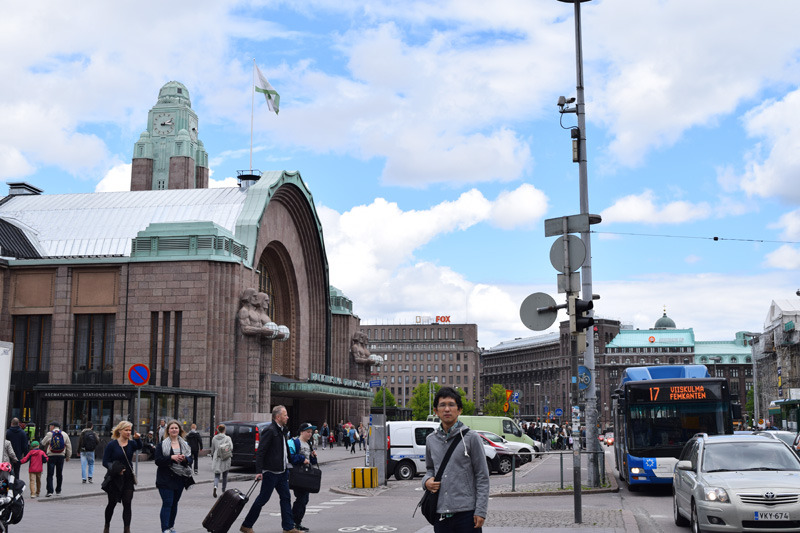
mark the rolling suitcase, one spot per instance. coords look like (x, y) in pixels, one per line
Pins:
(226, 510)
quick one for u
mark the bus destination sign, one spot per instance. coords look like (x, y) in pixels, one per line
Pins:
(675, 393)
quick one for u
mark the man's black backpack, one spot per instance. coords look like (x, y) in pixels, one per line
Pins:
(90, 441)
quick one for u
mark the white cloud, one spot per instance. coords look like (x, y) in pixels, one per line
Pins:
(226, 182)
(13, 164)
(692, 259)
(521, 207)
(773, 164)
(642, 208)
(653, 72)
(116, 179)
(786, 257)
(790, 222)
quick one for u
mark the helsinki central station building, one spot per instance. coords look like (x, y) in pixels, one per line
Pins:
(222, 294)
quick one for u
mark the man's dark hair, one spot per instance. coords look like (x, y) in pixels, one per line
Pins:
(89, 424)
(447, 392)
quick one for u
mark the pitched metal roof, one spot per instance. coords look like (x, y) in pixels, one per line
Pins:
(527, 342)
(103, 224)
(653, 337)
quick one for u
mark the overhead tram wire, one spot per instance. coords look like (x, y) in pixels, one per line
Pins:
(692, 237)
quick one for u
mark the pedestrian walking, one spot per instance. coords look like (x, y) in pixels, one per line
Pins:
(58, 449)
(325, 432)
(272, 461)
(174, 460)
(464, 488)
(221, 455)
(37, 459)
(301, 452)
(120, 480)
(19, 442)
(195, 441)
(87, 444)
(352, 436)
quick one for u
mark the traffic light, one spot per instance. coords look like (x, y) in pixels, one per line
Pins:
(578, 321)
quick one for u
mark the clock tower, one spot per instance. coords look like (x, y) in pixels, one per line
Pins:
(169, 155)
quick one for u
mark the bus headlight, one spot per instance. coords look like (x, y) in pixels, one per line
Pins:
(716, 494)
(637, 470)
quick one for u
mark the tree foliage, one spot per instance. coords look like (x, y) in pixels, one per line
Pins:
(421, 398)
(494, 401)
(377, 401)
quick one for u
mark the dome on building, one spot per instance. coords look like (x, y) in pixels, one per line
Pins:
(174, 92)
(664, 322)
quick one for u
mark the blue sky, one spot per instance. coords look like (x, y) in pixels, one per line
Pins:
(429, 136)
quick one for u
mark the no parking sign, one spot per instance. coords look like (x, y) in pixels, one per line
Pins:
(139, 375)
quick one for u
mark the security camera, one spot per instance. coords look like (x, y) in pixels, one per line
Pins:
(562, 101)
(798, 292)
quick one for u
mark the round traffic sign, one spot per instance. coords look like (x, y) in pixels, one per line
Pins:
(559, 412)
(139, 375)
(531, 317)
(577, 253)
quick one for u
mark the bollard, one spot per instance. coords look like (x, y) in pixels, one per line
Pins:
(513, 473)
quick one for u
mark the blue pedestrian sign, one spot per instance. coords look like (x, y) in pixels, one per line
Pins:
(559, 412)
(374, 383)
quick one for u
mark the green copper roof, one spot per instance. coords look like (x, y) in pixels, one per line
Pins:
(340, 304)
(664, 322)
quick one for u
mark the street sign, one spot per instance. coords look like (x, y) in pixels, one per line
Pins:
(577, 253)
(139, 375)
(374, 383)
(559, 412)
(573, 284)
(584, 377)
(575, 224)
(534, 319)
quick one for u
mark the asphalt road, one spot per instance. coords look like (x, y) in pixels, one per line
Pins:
(339, 508)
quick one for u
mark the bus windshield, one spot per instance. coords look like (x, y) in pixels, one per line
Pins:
(661, 429)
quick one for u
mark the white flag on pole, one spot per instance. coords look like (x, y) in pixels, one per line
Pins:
(272, 96)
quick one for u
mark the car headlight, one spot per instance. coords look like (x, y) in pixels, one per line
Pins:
(716, 494)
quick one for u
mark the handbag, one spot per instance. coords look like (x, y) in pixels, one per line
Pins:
(430, 500)
(305, 478)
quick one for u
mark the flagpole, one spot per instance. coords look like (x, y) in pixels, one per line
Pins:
(252, 107)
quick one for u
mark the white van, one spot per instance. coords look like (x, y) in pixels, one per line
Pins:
(406, 449)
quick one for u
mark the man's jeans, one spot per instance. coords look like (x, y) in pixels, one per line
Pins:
(87, 458)
(280, 483)
(55, 464)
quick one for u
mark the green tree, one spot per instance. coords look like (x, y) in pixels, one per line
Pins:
(377, 401)
(493, 403)
(750, 408)
(469, 405)
(421, 398)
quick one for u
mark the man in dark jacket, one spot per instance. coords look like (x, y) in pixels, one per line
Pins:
(195, 441)
(19, 442)
(272, 460)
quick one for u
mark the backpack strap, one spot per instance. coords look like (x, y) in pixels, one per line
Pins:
(450, 450)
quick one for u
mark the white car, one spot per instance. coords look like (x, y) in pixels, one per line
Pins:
(523, 451)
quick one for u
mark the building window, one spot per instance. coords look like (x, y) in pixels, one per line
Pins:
(93, 357)
(30, 361)
(734, 372)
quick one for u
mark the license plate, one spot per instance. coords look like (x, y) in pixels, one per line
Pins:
(771, 515)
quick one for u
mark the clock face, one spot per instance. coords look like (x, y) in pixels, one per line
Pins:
(193, 128)
(163, 123)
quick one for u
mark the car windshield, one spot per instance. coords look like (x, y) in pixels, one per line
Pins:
(737, 456)
(492, 437)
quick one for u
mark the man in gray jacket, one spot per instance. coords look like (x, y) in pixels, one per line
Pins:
(464, 488)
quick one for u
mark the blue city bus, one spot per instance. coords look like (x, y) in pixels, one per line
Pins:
(657, 409)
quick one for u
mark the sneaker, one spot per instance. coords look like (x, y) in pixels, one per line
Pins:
(244, 529)
(83, 481)
(293, 530)
(48, 494)
(33, 496)
(58, 493)
(301, 527)
(90, 480)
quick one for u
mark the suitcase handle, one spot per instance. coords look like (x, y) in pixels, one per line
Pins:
(252, 488)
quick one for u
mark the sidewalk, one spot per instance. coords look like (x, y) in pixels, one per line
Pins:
(145, 471)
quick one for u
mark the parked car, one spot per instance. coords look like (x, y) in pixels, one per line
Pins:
(609, 438)
(503, 426)
(245, 437)
(498, 457)
(736, 483)
(525, 453)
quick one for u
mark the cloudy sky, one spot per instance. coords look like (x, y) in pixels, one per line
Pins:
(429, 135)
